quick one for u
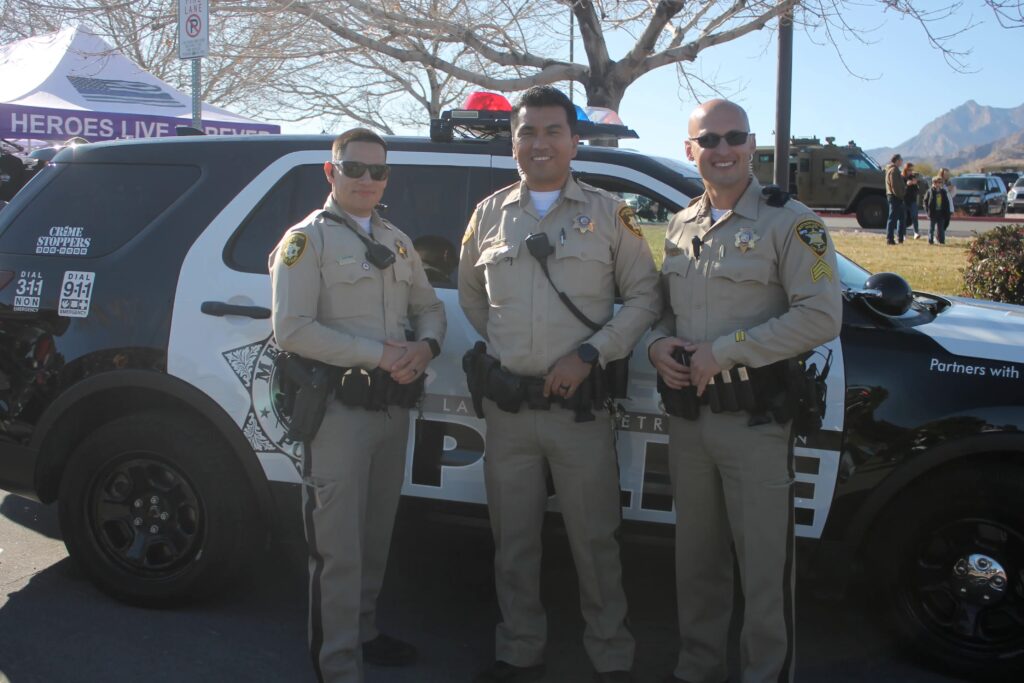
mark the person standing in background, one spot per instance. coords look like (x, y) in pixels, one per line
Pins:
(910, 199)
(895, 190)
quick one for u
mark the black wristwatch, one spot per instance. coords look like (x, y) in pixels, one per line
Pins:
(587, 353)
(435, 348)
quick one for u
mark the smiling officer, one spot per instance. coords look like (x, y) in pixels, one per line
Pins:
(524, 245)
(751, 281)
(348, 289)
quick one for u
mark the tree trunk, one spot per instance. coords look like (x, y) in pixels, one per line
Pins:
(604, 91)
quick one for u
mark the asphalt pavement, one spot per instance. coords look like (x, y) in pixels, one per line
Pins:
(55, 627)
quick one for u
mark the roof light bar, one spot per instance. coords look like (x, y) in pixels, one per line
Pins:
(488, 116)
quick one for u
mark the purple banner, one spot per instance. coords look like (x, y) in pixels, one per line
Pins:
(38, 123)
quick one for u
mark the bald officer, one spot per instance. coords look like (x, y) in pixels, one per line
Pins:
(748, 283)
(333, 303)
(510, 302)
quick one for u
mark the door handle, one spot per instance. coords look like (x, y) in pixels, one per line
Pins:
(221, 309)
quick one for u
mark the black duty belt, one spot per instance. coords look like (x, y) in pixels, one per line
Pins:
(375, 390)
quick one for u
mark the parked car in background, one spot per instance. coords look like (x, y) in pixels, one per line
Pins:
(980, 194)
(1008, 177)
(1015, 197)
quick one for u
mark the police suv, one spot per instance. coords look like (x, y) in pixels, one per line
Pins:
(138, 384)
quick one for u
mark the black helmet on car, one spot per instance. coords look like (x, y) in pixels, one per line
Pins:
(891, 294)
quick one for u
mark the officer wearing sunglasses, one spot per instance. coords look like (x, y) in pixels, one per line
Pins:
(750, 279)
(349, 289)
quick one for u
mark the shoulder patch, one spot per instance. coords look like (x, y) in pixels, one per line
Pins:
(293, 248)
(628, 219)
(470, 229)
(812, 233)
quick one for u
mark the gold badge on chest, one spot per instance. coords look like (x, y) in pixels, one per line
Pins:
(402, 251)
(746, 239)
(584, 224)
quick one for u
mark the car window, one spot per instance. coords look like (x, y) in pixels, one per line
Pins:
(429, 203)
(1019, 183)
(860, 163)
(71, 218)
(830, 165)
(301, 190)
(851, 275)
(969, 184)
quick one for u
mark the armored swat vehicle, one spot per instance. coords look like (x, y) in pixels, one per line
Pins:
(830, 176)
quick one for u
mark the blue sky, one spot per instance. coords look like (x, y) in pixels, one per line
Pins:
(909, 82)
(905, 82)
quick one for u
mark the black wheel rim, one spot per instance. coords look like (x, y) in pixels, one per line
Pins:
(145, 515)
(936, 599)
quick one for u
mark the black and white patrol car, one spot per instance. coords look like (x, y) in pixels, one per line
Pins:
(137, 384)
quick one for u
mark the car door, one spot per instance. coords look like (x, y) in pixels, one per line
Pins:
(221, 338)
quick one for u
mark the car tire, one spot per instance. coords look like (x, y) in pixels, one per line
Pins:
(872, 212)
(928, 543)
(154, 511)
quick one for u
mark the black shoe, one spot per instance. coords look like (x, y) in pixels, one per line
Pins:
(890, 242)
(613, 677)
(387, 651)
(503, 672)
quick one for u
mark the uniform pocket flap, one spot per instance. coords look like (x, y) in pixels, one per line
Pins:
(346, 273)
(494, 253)
(584, 249)
(676, 265)
(743, 270)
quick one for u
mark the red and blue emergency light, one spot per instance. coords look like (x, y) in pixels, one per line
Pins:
(488, 116)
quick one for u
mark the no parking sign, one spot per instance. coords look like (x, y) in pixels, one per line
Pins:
(193, 25)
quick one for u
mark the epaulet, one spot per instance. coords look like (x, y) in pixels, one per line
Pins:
(498, 193)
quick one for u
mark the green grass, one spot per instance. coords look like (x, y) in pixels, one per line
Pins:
(928, 268)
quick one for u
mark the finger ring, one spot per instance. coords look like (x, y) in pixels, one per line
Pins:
(564, 387)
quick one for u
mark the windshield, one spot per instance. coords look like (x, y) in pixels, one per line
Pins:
(851, 275)
(1020, 182)
(862, 162)
(969, 184)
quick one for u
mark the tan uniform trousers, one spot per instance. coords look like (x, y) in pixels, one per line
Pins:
(350, 495)
(733, 490)
(521, 447)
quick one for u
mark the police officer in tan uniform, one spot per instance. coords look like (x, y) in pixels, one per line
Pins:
(332, 304)
(747, 284)
(510, 302)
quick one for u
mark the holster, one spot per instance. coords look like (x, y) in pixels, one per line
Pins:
(680, 402)
(807, 387)
(305, 387)
(615, 378)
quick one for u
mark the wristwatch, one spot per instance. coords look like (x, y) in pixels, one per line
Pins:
(435, 348)
(587, 353)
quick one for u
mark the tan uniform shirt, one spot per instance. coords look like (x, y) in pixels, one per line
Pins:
(765, 287)
(330, 304)
(598, 247)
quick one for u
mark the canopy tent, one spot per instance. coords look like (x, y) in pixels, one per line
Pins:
(71, 83)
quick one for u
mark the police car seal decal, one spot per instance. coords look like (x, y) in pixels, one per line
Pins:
(292, 250)
(264, 426)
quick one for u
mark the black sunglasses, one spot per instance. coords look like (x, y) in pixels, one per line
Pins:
(356, 169)
(711, 140)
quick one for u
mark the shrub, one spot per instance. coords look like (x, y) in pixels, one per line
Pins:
(995, 265)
